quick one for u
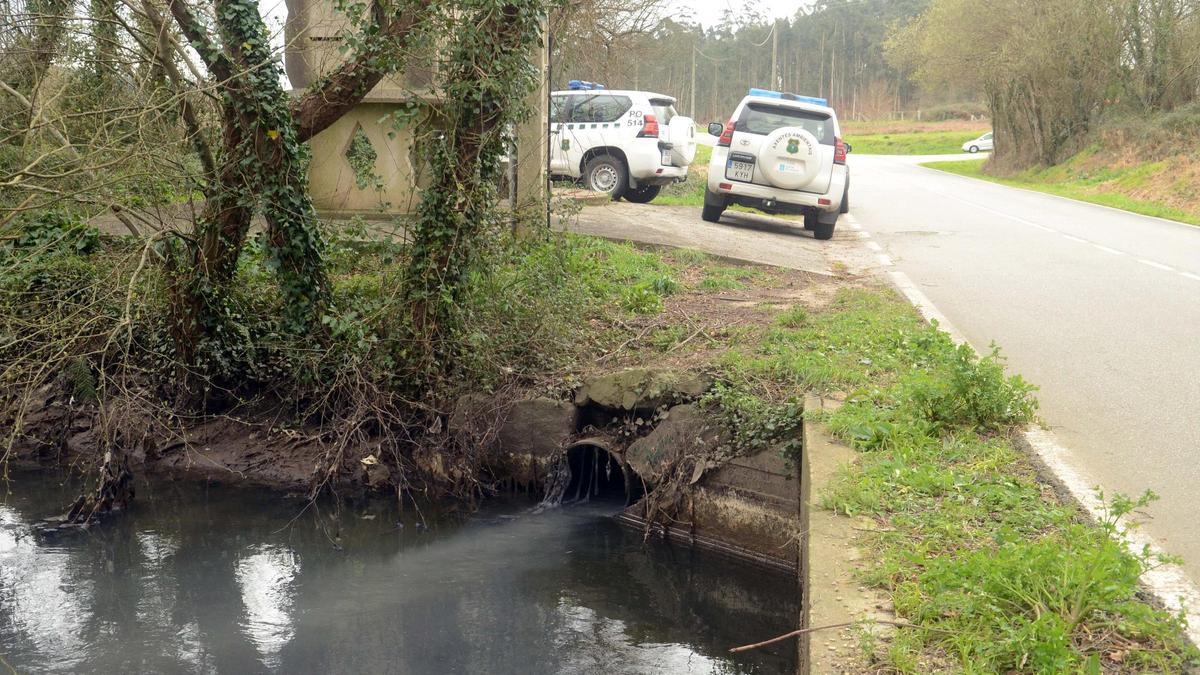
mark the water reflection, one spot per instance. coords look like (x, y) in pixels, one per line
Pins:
(217, 581)
(266, 579)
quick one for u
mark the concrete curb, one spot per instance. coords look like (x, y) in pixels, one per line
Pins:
(1168, 584)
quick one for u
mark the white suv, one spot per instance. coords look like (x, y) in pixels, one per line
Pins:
(625, 143)
(780, 153)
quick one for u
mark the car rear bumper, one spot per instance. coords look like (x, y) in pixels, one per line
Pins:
(763, 196)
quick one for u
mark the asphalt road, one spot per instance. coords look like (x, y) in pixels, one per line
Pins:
(1099, 307)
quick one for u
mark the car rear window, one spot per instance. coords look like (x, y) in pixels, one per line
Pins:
(598, 107)
(762, 119)
(664, 109)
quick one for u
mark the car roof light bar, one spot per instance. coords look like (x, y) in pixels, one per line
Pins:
(767, 93)
(583, 85)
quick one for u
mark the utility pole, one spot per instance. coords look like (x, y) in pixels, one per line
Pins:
(692, 108)
(775, 55)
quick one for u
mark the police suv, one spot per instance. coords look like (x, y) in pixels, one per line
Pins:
(780, 153)
(625, 143)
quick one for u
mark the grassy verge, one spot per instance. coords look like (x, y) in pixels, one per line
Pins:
(911, 143)
(1145, 188)
(993, 571)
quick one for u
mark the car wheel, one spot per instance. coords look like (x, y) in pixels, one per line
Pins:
(712, 214)
(823, 230)
(973, 149)
(714, 206)
(642, 195)
(606, 173)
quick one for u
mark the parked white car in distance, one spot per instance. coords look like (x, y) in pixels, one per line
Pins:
(625, 143)
(983, 143)
(780, 153)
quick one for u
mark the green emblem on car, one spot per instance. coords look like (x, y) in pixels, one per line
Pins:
(793, 146)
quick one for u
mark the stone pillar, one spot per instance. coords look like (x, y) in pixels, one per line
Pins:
(394, 181)
(532, 139)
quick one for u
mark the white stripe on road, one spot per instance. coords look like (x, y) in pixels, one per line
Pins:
(1193, 277)
(1108, 250)
(1075, 239)
(1156, 265)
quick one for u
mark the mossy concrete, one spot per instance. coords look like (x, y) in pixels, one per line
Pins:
(642, 389)
(831, 555)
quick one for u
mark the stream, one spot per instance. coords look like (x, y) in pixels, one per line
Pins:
(213, 578)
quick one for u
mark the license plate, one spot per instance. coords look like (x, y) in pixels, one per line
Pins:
(742, 171)
(666, 157)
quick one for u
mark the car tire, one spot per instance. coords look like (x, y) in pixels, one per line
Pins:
(643, 194)
(973, 149)
(712, 214)
(714, 206)
(605, 173)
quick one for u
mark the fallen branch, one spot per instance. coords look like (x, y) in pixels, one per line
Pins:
(802, 631)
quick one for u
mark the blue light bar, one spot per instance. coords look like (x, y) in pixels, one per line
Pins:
(582, 85)
(767, 93)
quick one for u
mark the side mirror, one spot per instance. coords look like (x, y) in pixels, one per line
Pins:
(716, 129)
(849, 147)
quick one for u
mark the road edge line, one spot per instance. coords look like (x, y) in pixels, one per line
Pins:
(1169, 584)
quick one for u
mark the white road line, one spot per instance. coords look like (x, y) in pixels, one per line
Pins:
(1193, 277)
(1108, 250)
(1075, 239)
(1168, 583)
(1156, 265)
(874, 246)
(1002, 214)
(884, 260)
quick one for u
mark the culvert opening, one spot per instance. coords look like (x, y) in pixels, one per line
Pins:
(595, 475)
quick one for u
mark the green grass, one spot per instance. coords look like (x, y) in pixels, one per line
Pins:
(717, 277)
(690, 192)
(1094, 187)
(915, 143)
(994, 575)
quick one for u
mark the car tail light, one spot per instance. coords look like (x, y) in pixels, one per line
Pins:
(649, 127)
(839, 151)
(727, 135)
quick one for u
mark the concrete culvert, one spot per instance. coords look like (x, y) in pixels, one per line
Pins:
(598, 475)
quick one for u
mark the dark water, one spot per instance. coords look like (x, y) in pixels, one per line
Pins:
(221, 579)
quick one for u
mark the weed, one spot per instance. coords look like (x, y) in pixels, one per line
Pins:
(995, 576)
